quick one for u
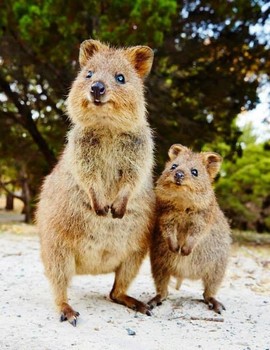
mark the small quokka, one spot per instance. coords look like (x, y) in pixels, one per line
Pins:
(191, 238)
(96, 208)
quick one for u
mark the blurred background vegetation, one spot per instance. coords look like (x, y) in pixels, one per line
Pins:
(210, 58)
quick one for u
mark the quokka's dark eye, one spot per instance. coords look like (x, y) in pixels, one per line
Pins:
(120, 78)
(174, 166)
(194, 172)
(89, 74)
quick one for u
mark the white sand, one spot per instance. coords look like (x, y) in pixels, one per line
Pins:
(29, 321)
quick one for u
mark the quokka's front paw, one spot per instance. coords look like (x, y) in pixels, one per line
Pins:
(173, 245)
(98, 204)
(187, 248)
(102, 211)
(119, 207)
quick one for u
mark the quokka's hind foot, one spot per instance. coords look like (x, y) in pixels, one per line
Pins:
(214, 304)
(124, 275)
(68, 314)
(131, 303)
(156, 301)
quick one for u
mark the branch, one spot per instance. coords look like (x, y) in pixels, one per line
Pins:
(11, 182)
(2, 184)
(27, 122)
(194, 318)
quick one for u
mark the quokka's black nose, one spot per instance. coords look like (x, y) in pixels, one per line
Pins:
(179, 175)
(97, 89)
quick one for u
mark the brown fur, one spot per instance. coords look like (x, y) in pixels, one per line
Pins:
(192, 237)
(96, 207)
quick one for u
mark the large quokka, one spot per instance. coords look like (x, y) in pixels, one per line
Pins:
(96, 207)
(192, 237)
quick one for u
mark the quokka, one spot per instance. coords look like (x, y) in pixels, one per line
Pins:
(191, 238)
(96, 208)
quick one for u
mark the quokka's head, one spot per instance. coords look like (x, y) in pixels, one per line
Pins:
(189, 175)
(109, 86)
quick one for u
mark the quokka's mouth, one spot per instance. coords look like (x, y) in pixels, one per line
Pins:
(182, 186)
(178, 182)
(98, 102)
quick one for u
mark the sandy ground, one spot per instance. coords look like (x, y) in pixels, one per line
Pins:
(28, 319)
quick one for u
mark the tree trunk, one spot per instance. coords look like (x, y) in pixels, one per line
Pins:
(27, 201)
(9, 202)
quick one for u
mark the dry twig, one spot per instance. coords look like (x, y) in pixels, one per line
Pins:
(194, 318)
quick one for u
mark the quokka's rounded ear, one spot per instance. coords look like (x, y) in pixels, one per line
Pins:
(88, 48)
(142, 59)
(213, 162)
(176, 149)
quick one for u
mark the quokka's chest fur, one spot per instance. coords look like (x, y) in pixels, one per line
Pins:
(102, 156)
(95, 146)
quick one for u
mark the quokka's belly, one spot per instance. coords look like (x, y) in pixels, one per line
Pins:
(184, 268)
(191, 266)
(97, 261)
(107, 242)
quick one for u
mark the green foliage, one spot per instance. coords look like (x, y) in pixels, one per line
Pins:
(244, 187)
(133, 28)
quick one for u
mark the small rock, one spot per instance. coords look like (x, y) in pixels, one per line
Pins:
(131, 332)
